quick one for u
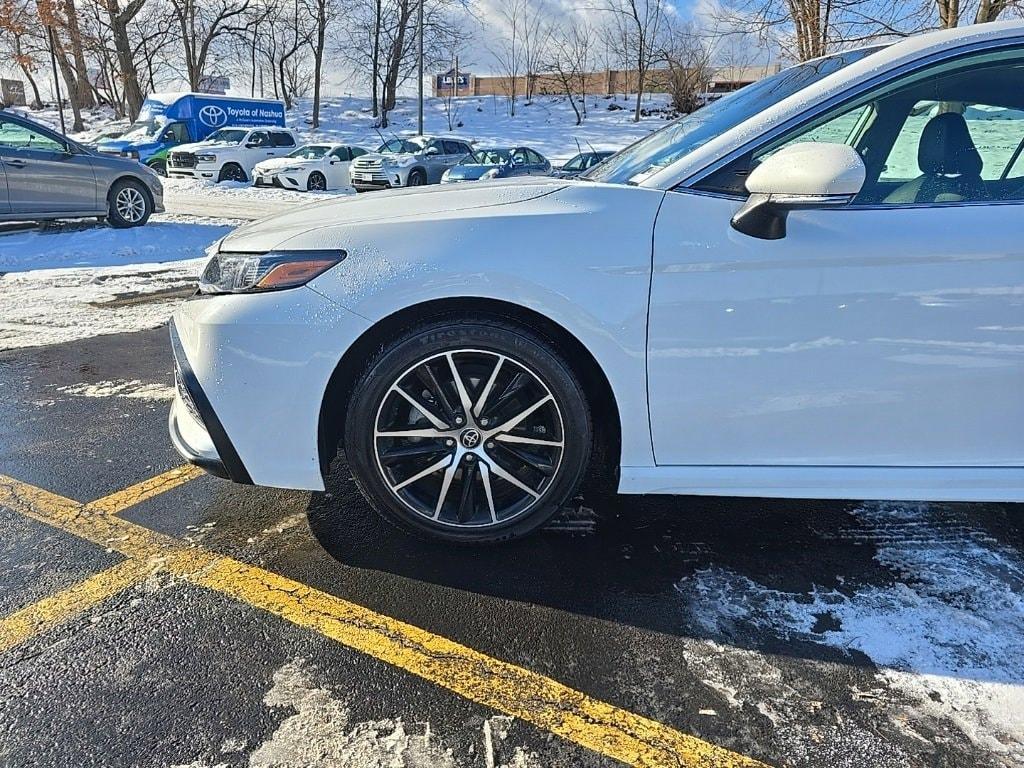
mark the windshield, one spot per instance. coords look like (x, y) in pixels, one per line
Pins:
(142, 129)
(575, 164)
(226, 136)
(661, 149)
(488, 157)
(312, 152)
(399, 147)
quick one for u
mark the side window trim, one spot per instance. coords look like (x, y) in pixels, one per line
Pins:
(850, 95)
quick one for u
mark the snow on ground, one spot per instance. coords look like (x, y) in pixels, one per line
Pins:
(948, 632)
(65, 285)
(101, 246)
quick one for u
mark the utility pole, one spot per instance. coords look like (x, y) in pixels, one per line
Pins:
(56, 78)
(420, 35)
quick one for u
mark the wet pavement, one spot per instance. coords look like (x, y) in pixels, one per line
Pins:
(793, 632)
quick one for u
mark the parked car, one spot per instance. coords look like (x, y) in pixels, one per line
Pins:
(582, 162)
(498, 163)
(408, 162)
(313, 167)
(168, 120)
(230, 154)
(809, 288)
(46, 176)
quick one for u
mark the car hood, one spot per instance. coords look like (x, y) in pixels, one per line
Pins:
(114, 146)
(314, 220)
(201, 145)
(387, 157)
(471, 171)
(283, 162)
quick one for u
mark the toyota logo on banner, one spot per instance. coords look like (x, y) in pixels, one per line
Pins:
(213, 116)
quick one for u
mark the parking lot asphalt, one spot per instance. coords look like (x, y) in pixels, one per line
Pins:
(154, 616)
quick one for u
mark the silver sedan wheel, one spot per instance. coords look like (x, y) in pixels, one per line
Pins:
(469, 438)
(130, 205)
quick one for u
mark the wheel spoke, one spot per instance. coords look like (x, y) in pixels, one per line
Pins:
(428, 471)
(411, 433)
(460, 385)
(497, 469)
(426, 375)
(515, 421)
(528, 441)
(411, 451)
(438, 423)
(479, 407)
(485, 475)
(512, 389)
(542, 465)
(445, 485)
(466, 501)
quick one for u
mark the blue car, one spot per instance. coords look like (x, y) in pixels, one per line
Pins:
(498, 163)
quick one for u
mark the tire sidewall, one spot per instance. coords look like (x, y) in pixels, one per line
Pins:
(229, 171)
(114, 218)
(525, 348)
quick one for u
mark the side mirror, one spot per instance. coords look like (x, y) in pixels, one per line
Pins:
(808, 175)
(432, 151)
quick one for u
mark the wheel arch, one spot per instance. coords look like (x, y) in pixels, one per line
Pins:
(136, 180)
(605, 457)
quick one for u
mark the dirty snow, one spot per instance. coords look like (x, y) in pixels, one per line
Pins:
(133, 390)
(320, 731)
(948, 632)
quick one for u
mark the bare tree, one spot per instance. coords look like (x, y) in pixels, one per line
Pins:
(200, 24)
(509, 51)
(323, 12)
(953, 12)
(636, 26)
(536, 37)
(119, 19)
(687, 59)
(569, 62)
(17, 26)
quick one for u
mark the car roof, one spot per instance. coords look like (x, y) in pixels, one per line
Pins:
(887, 58)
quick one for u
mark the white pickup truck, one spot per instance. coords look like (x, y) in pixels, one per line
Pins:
(230, 154)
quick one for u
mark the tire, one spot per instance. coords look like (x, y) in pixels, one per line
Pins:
(160, 166)
(128, 204)
(417, 178)
(517, 477)
(232, 172)
(316, 182)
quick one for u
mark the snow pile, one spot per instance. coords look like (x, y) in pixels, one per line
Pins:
(948, 633)
(100, 246)
(133, 389)
(62, 286)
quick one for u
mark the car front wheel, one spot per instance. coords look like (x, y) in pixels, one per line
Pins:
(128, 205)
(472, 430)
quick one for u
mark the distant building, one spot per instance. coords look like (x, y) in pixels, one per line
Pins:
(605, 83)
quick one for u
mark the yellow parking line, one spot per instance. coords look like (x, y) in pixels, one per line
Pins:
(68, 603)
(513, 690)
(147, 489)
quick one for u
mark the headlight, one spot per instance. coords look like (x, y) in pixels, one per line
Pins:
(251, 272)
(399, 162)
(491, 174)
(133, 154)
(291, 169)
(206, 158)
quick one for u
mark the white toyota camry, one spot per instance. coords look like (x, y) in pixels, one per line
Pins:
(313, 167)
(811, 288)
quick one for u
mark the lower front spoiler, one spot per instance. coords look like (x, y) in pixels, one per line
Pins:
(218, 456)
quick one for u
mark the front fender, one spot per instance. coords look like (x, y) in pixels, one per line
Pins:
(581, 256)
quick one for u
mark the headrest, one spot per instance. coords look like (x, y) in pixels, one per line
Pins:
(947, 148)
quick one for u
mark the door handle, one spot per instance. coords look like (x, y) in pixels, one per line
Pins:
(15, 163)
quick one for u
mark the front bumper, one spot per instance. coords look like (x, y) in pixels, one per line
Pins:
(260, 365)
(196, 432)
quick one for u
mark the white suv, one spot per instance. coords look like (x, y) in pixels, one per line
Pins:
(408, 162)
(230, 154)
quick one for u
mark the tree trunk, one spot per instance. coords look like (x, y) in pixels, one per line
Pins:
(119, 20)
(318, 58)
(375, 59)
(81, 70)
